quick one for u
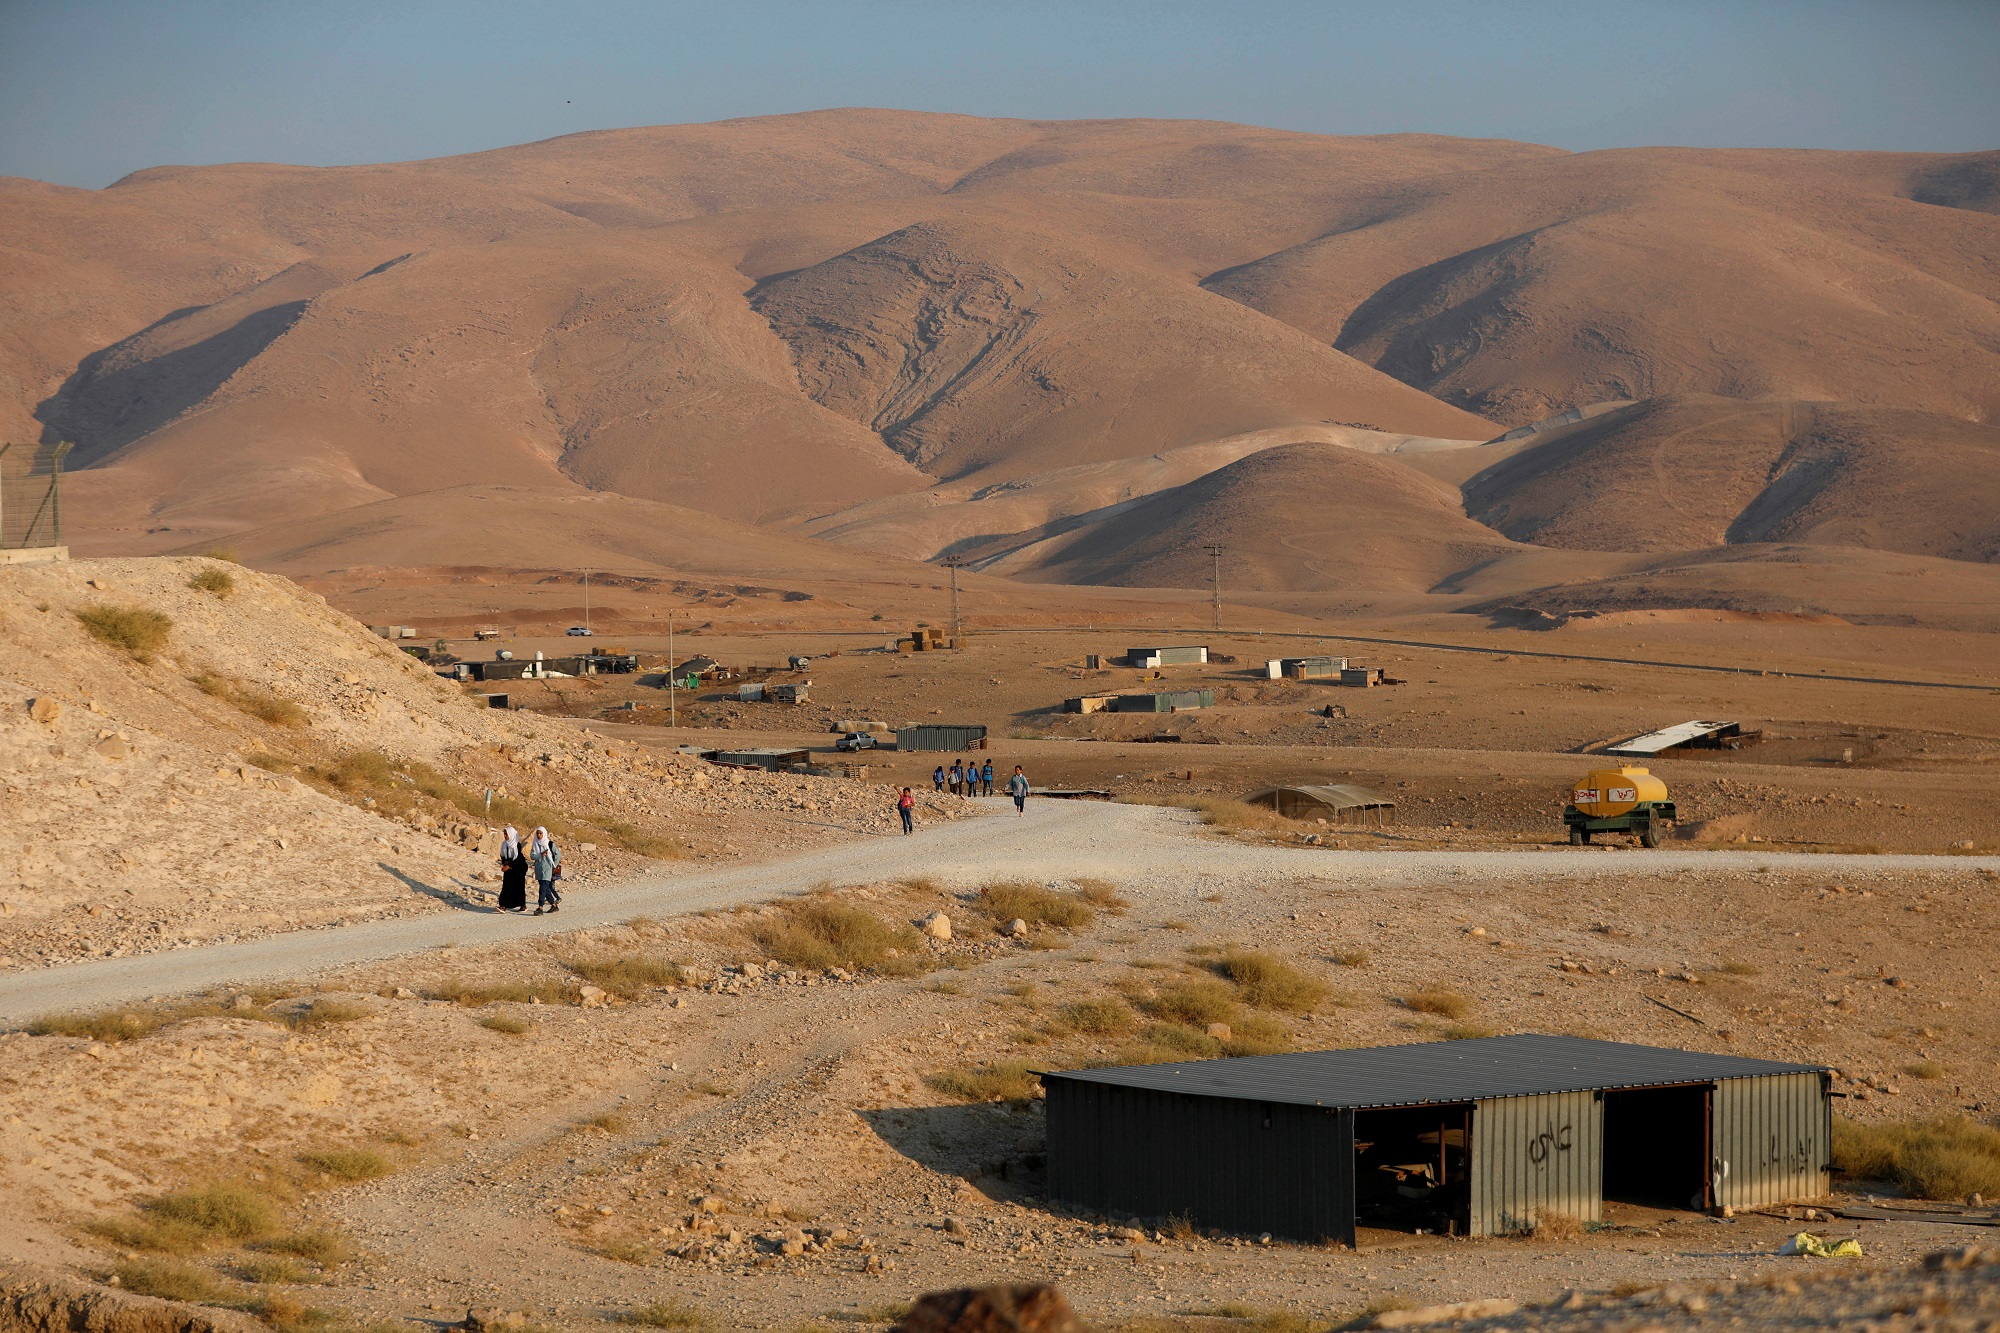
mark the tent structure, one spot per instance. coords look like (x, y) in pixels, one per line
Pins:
(1339, 802)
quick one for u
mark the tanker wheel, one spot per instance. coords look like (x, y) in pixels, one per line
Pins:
(1578, 835)
(1649, 834)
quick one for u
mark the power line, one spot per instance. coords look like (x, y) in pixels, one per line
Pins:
(1215, 550)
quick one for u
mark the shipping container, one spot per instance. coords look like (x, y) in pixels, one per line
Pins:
(936, 736)
(1188, 655)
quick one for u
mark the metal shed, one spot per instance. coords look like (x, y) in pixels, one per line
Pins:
(1340, 801)
(1303, 668)
(1476, 1137)
(937, 736)
(1184, 655)
(1166, 701)
(1686, 736)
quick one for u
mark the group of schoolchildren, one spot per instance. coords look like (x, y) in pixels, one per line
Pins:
(964, 779)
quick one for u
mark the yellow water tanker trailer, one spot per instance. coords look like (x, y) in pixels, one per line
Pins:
(1618, 800)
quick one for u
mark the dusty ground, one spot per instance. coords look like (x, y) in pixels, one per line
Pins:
(556, 1169)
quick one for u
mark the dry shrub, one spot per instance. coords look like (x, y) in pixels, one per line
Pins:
(1553, 1226)
(630, 976)
(1467, 1032)
(1924, 1069)
(1736, 968)
(1269, 982)
(348, 1164)
(999, 1081)
(1102, 894)
(268, 707)
(1194, 1002)
(1439, 1000)
(224, 553)
(169, 1281)
(213, 580)
(626, 1250)
(507, 1024)
(609, 1122)
(326, 1013)
(472, 996)
(635, 839)
(1350, 957)
(1100, 1016)
(276, 1270)
(1009, 899)
(1931, 1159)
(193, 1220)
(671, 1315)
(283, 1312)
(818, 934)
(113, 1025)
(137, 630)
(1258, 1035)
(318, 1245)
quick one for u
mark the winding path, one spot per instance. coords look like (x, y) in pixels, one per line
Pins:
(1128, 844)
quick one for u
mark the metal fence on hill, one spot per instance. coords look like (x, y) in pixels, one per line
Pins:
(31, 495)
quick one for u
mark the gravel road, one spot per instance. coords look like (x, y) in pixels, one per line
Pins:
(1128, 844)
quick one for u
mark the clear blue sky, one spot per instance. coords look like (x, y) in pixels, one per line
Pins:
(92, 89)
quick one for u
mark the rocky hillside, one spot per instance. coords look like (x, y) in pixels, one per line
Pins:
(192, 751)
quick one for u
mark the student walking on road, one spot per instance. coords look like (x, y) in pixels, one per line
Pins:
(957, 778)
(906, 806)
(937, 778)
(546, 858)
(513, 873)
(1017, 787)
(986, 778)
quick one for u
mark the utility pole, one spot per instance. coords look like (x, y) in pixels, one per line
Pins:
(952, 563)
(586, 602)
(1215, 550)
(673, 716)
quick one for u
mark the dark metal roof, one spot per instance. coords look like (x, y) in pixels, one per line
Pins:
(1438, 1071)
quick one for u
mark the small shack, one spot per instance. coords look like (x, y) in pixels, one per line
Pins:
(1477, 1137)
(1184, 655)
(1090, 703)
(1166, 701)
(1687, 736)
(937, 736)
(1338, 803)
(1362, 677)
(1303, 668)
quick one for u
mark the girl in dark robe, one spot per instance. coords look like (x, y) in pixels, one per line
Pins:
(513, 873)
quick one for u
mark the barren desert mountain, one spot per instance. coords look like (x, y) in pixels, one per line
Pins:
(1303, 516)
(1519, 290)
(1687, 472)
(907, 332)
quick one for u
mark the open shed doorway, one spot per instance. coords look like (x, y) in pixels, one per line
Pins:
(1412, 1168)
(1656, 1146)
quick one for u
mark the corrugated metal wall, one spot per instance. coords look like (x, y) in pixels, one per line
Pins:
(1542, 1154)
(1243, 1166)
(1770, 1139)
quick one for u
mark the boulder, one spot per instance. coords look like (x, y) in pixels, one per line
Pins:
(1441, 1314)
(1023, 1309)
(45, 709)
(113, 747)
(492, 1321)
(937, 925)
(1017, 928)
(1219, 1031)
(593, 997)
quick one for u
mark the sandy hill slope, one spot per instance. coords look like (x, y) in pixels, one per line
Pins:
(1299, 517)
(1686, 472)
(1533, 286)
(270, 764)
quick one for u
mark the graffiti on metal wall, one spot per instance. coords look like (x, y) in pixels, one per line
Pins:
(1548, 1141)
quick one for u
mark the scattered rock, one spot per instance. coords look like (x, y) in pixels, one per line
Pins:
(593, 997)
(954, 1227)
(1219, 1031)
(1025, 1309)
(710, 1203)
(1017, 928)
(488, 1321)
(45, 709)
(113, 747)
(402, 993)
(937, 925)
(242, 1002)
(752, 972)
(792, 1249)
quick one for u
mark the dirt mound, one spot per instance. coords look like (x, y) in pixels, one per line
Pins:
(1298, 517)
(1682, 473)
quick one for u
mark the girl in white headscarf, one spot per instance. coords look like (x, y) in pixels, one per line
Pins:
(547, 861)
(513, 873)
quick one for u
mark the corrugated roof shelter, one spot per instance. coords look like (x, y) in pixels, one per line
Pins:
(1338, 800)
(1686, 735)
(941, 736)
(1473, 1137)
(1166, 701)
(1183, 655)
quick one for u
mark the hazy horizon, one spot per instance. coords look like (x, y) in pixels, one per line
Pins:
(90, 92)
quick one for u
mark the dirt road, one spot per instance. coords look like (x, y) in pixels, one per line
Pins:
(1126, 843)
